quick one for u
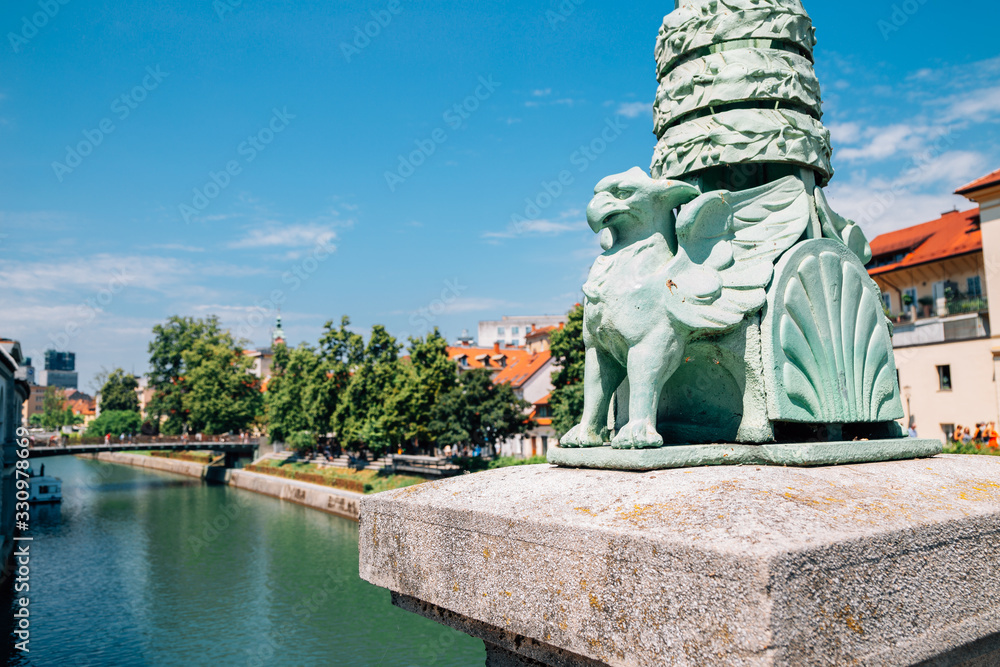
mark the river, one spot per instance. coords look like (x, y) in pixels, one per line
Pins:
(139, 567)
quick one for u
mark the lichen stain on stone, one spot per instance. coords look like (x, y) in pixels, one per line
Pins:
(486, 553)
(585, 510)
(981, 492)
(595, 603)
(853, 623)
(640, 514)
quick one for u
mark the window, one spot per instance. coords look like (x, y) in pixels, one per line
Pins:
(500, 332)
(515, 331)
(944, 378)
(975, 286)
(948, 430)
(887, 301)
(911, 296)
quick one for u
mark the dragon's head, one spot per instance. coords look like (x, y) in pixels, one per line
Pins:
(634, 206)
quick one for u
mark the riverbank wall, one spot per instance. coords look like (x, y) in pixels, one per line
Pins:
(345, 504)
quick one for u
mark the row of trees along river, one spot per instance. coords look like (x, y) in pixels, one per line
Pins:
(362, 395)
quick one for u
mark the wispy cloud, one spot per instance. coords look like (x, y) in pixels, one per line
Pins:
(886, 142)
(286, 236)
(543, 227)
(635, 109)
(902, 149)
(179, 247)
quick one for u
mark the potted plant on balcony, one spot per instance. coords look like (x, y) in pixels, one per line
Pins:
(926, 302)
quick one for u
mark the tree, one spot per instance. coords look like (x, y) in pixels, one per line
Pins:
(221, 394)
(55, 412)
(293, 374)
(367, 411)
(115, 422)
(341, 351)
(428, 376)
(119, 392)
(569, 356)
(478, 412)
(166, 360)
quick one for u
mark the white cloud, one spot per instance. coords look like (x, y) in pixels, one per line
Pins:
(845, 133)
(886, 142)
(542, 92)
(949, 170)
(93, 273)
(179, 247)
(977, 106)
(274, 235)
(473, 305)
(881, 207)
(536, 228)
(635, 109)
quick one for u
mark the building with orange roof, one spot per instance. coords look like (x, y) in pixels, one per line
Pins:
(932, 278)
(936, 279)
(530, 375)
(539, 340)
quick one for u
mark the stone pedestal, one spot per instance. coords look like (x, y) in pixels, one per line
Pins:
(873, 564)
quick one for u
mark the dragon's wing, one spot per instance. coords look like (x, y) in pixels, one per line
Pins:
(727, 245)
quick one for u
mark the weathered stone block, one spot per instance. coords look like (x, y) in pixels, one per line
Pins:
(874, 564)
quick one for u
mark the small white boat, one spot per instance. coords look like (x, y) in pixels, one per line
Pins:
(44, 489)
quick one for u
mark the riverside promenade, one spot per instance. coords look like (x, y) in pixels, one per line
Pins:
(339, 502)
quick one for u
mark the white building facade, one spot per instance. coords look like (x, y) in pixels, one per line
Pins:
(512, 331)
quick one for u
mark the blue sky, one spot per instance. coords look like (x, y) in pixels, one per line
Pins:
(287, 136)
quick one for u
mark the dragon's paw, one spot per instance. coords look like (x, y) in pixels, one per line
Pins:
(579, 437)
(638, 435)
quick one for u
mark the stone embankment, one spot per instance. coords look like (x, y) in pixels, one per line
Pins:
(342, 503)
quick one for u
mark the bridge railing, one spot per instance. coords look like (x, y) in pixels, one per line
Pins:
(140, 440)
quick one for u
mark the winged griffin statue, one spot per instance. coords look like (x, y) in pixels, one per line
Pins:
(731, 319)
(666, 279)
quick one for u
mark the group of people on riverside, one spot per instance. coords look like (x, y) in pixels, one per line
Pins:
(985, 434)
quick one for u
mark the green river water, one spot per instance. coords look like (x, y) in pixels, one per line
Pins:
(145, 568)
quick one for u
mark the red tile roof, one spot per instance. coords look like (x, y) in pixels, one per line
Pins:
(544, 400)
(476, 356)
(980, 184)
(953, 234)
(521, 370)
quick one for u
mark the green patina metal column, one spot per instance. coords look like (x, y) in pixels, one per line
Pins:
(731, 318)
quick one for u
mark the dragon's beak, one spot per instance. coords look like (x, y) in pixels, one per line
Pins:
(603, 207)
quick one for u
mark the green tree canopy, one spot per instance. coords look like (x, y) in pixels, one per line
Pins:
(119, 392)
(168, 369)
(55, 411)
(427, 377)
(221, 394)
(569, 356)
(293, 377)
(366, 413)
(115, 422)
(341, 351)
(478, 412)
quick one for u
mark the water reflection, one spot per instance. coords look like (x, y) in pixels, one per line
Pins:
(138, 567)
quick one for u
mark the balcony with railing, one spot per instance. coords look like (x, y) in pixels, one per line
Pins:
(952, 318)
